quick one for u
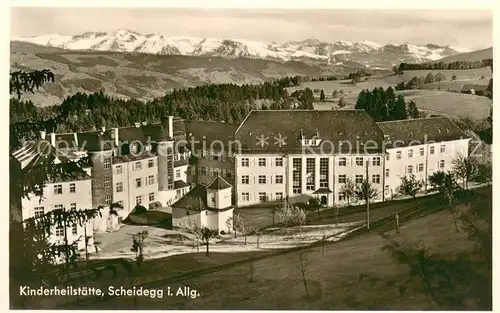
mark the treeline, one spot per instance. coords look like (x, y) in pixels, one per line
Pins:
(457, 65)
(384, 105)
(217, 102)
(418, 82)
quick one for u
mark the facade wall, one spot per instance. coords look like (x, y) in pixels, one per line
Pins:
(183, 217)
(81, 199)
(100, 173)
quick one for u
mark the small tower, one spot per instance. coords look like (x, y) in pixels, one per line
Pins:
(219, 194)
(165, 150)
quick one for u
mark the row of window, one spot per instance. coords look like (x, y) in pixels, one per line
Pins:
(58, 189)
(217, 156)
(136, 166)
(421, 152)
(203, 170)
(151, 197)
(278, 179)
(262, 162)
(40, 210)
(262, 196)
(150, 180)
(262, 179)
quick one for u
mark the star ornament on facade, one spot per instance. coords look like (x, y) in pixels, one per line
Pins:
(262, 141)
(280, 141)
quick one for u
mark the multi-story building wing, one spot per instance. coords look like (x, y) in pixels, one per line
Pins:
(70, 192)
(303, 153)
(420, 147)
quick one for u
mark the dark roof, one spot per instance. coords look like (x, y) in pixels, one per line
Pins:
(209, 132)
(132, 133)
(418, 131)
(129, 157)
(65, 141)
(195, 199)
(346, 130)
(95, 140)
(219, 183)
(322, 191)
(180, 184)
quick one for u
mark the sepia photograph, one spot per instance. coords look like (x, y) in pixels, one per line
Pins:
(254, 158)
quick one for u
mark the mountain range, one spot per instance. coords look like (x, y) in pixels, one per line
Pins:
(367, 53)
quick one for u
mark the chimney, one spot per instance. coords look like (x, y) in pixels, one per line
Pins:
(137, 124)
(42, 134)
(53, 139)
(103, 129)
(114, 134)
(144, 123)
(171, 127)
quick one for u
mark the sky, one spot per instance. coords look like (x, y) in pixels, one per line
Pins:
(471, 29)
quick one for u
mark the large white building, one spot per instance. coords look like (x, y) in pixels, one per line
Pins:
(314, 153)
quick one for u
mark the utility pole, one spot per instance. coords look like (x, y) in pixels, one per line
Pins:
(367, 198)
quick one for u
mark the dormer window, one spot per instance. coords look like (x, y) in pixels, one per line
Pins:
(310, 142)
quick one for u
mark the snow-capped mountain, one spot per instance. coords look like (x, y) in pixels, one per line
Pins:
(364, 52)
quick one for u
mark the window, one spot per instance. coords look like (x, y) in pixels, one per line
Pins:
(431, 150)
(262, 161)
(39, 211)
(193, 170)
(107, 199)
(386, 172)
(120, 202)
(376, 161)
(398, 155)
(151, 196)
(342, 196)
(72, 206)
(262, 179)
(297, 175)
(359, 161)
(74, 229)
(245, 196)
(342, 162)
(421, 151)
(177, 173)
(203, 170)
(245, 162)
(151, 163)
(443, 148)
(59, 231)
(387, 157)
(262, 196)
(410, 169)
(278, 162)
(107, 182)
(245, 179)
(279, 179)
(323, 173)
(376, 179)
(72, 188)
(107, 164)
(57, 189)
(224, 173)
(359, 179)
(211, 170)
(342, 179)
(176, 157)
(58, 206)
(138, 199)
(137, 166)
(441, 164)
(310, 174)
(119, 187)
(410, 153)
(421, 167)
(138, 182)
(119, 169)
(151, 179)
(279, 196)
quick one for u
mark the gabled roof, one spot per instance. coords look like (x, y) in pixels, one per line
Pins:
(219, 183)
(345, 131)
(210, 132)
(419, 131)
(180, 184)
(195, 199)
(95, 140)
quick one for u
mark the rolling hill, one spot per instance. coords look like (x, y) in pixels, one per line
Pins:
(472, 56)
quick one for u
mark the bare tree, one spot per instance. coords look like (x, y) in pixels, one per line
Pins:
(366, 191)
(229, 224)
(206, 235)
(349, 189)
(445, 184)
(138, 246)
(299, 218)
(285, 214)
(464, 168)
(315, 204)
(302, 264)
(238, 224)
(193, 228)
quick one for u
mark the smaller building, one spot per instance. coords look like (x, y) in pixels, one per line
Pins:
(205, 206)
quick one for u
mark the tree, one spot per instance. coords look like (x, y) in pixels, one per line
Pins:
(454, 77)
(399, 109)
(439, 77)
(366, 191)
(341, 103)
(302, 265)
(238, 224)
(484, 173)
(192, 227)
(22, 82)
(465, 168)
(322, 96)
(429, 78)
(335, 94)
(413, 110)
(445, 184)
(285, 214)
(410, 186)
(299, 218)
(229, 224)
(315, 204)
(138, 246)
(206, 235)
(349, 189)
